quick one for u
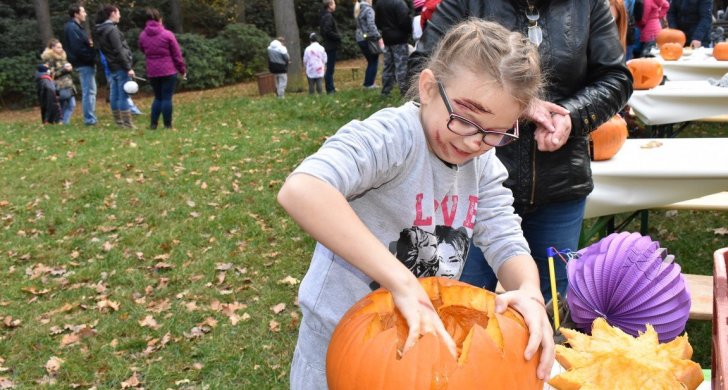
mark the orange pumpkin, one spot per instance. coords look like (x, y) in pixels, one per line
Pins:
(646, 72)
(608, 138)
(671, 51)
(670, 35)
(365, 348)
(720, 51)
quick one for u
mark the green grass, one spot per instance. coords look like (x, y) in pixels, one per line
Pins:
(172, 224)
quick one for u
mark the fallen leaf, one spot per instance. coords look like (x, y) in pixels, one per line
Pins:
(6, 383)
(69, 339)
(107, 246)
(223, 266)
(274, 326)
(53, 365)
(9, 322)
(105, 303)
(290, 280)
(720, 231)
(133, 381)
(278, 308)
(149, 322)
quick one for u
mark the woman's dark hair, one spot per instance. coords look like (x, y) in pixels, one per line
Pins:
(105, 13)
(153, 14)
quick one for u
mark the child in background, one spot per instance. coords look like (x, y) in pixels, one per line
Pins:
(278, 60)
(60, 69)
(406, 175)
(314, 59)
(50, 109)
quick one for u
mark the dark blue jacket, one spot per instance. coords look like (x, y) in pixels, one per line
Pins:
(78, 45)
(693, 17)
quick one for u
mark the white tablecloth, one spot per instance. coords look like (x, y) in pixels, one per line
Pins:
(679, 101)
(700, 65)
(639, 178)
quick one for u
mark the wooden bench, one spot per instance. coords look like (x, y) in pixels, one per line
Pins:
(354, 71)
(701, 294)
(714, 202)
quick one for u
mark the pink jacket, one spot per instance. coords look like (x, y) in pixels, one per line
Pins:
(653, 12)
(162, 51)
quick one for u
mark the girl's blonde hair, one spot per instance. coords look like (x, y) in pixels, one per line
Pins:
(487, 47)
(621, 20)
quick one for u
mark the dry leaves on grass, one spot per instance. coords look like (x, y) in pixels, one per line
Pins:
(720, 231)
(133, 381)
(149, 322)
(53, 365)
(278, 308)
(290, 280)
(11, 323)
(6, 383)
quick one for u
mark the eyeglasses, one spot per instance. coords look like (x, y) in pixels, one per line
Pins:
(535, 34)
(464, 127)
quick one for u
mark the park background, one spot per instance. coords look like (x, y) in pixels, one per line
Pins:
(160, 259)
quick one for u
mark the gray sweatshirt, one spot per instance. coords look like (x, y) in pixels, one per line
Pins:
(425, 211)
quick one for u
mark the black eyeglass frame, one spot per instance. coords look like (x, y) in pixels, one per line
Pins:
(505, 136)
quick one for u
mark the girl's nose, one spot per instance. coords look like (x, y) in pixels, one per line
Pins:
(474, 142)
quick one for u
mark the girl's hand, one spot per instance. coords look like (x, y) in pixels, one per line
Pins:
(541, 112)
(533, 311)
(549, 141)
(416, 308)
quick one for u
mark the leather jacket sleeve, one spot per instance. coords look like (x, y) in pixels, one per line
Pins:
(610, 82)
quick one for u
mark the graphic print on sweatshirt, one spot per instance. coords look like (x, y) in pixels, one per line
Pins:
(439, 253)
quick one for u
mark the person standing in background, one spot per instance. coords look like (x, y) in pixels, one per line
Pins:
(164, 62)
(366, 30)
(112, 43)
(278, 60)
(694, 18)
(82, 57)
(653, 13)
(314, 59)
(394, 21)
(60, 70)
(332, 41)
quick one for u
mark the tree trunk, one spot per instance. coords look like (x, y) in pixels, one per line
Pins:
(43, 16)
(175, 17)
(240, 11)
(287, 27)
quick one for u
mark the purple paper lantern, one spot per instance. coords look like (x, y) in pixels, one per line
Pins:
(630, 281)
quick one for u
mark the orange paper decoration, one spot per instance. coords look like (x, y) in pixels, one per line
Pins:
(647, 72)
(365, 348)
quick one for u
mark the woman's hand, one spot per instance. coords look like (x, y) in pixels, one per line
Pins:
(416, 308)
(533, 311)
(541, 112)
(549, 141)
(695, 44)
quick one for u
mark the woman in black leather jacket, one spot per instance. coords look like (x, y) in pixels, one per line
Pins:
(587, 83)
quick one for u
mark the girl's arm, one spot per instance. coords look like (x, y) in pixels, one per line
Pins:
(323, 212)
(519, 276)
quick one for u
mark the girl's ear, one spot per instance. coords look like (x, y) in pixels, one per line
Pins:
(427, 86)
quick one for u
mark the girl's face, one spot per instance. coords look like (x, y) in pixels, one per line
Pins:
(477, 98)
(58, 48)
